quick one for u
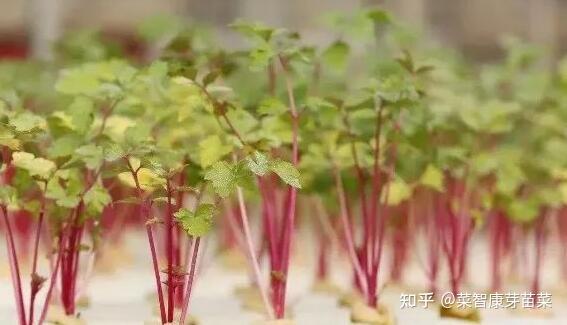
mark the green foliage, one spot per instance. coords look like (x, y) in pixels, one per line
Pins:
(27, 121)
(259, 164)
(219, 119)
(225, 177)
(336, 55)
(35, 166)
(286, 171)
(199, 223)
(211, 150)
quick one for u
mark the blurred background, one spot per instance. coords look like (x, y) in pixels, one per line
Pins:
(474, 27)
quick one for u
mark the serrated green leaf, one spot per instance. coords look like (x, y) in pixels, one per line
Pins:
(113, 152)
(199, 223)
(40, 167)
(259, 164)
(221, 175)
(97, 198)
(286, 171)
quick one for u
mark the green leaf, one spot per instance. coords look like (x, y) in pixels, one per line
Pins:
(523, 211)
(222, 177)
(226, 177)
(11, 143)
(64, 146)
(97, 198)
(398, 191)
(92, 155)
(211, 150)
(40, 167)
(336, 55)
(395, 89)
(379, 16)
(199, 223)
(432, 177)
(137, 134)
(7, 138)
(242, 120)
(81, 112)
(253, 30)
(113, 152)
(509, 179)
(67, 202)
(272, 106)
(77, 81)
(149, 181)
(287, 172)
(260, 57)
(64, 197)
(8, 195)
(26, 121)
(259, 164)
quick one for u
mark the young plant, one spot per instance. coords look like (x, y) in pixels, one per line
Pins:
(24, 180)
(253, 141)
(155, 156)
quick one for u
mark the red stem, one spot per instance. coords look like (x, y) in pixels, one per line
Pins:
(33, 289)
(252, 252)
(289, 221)
(179, 234)
(268, 206)
(14, 268)
(169, 251)
(52, 282)
(348, 233)
(70, 261)
(156, 272)
(145, 211)
(194, 256)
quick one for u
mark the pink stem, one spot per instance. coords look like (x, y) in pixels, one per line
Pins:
(145, 211)
(252, 253)
(14, 268)
(195, 254)
(348, 233)
(156, 272)
(52, 282)
(33, 290)
(169, 250)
